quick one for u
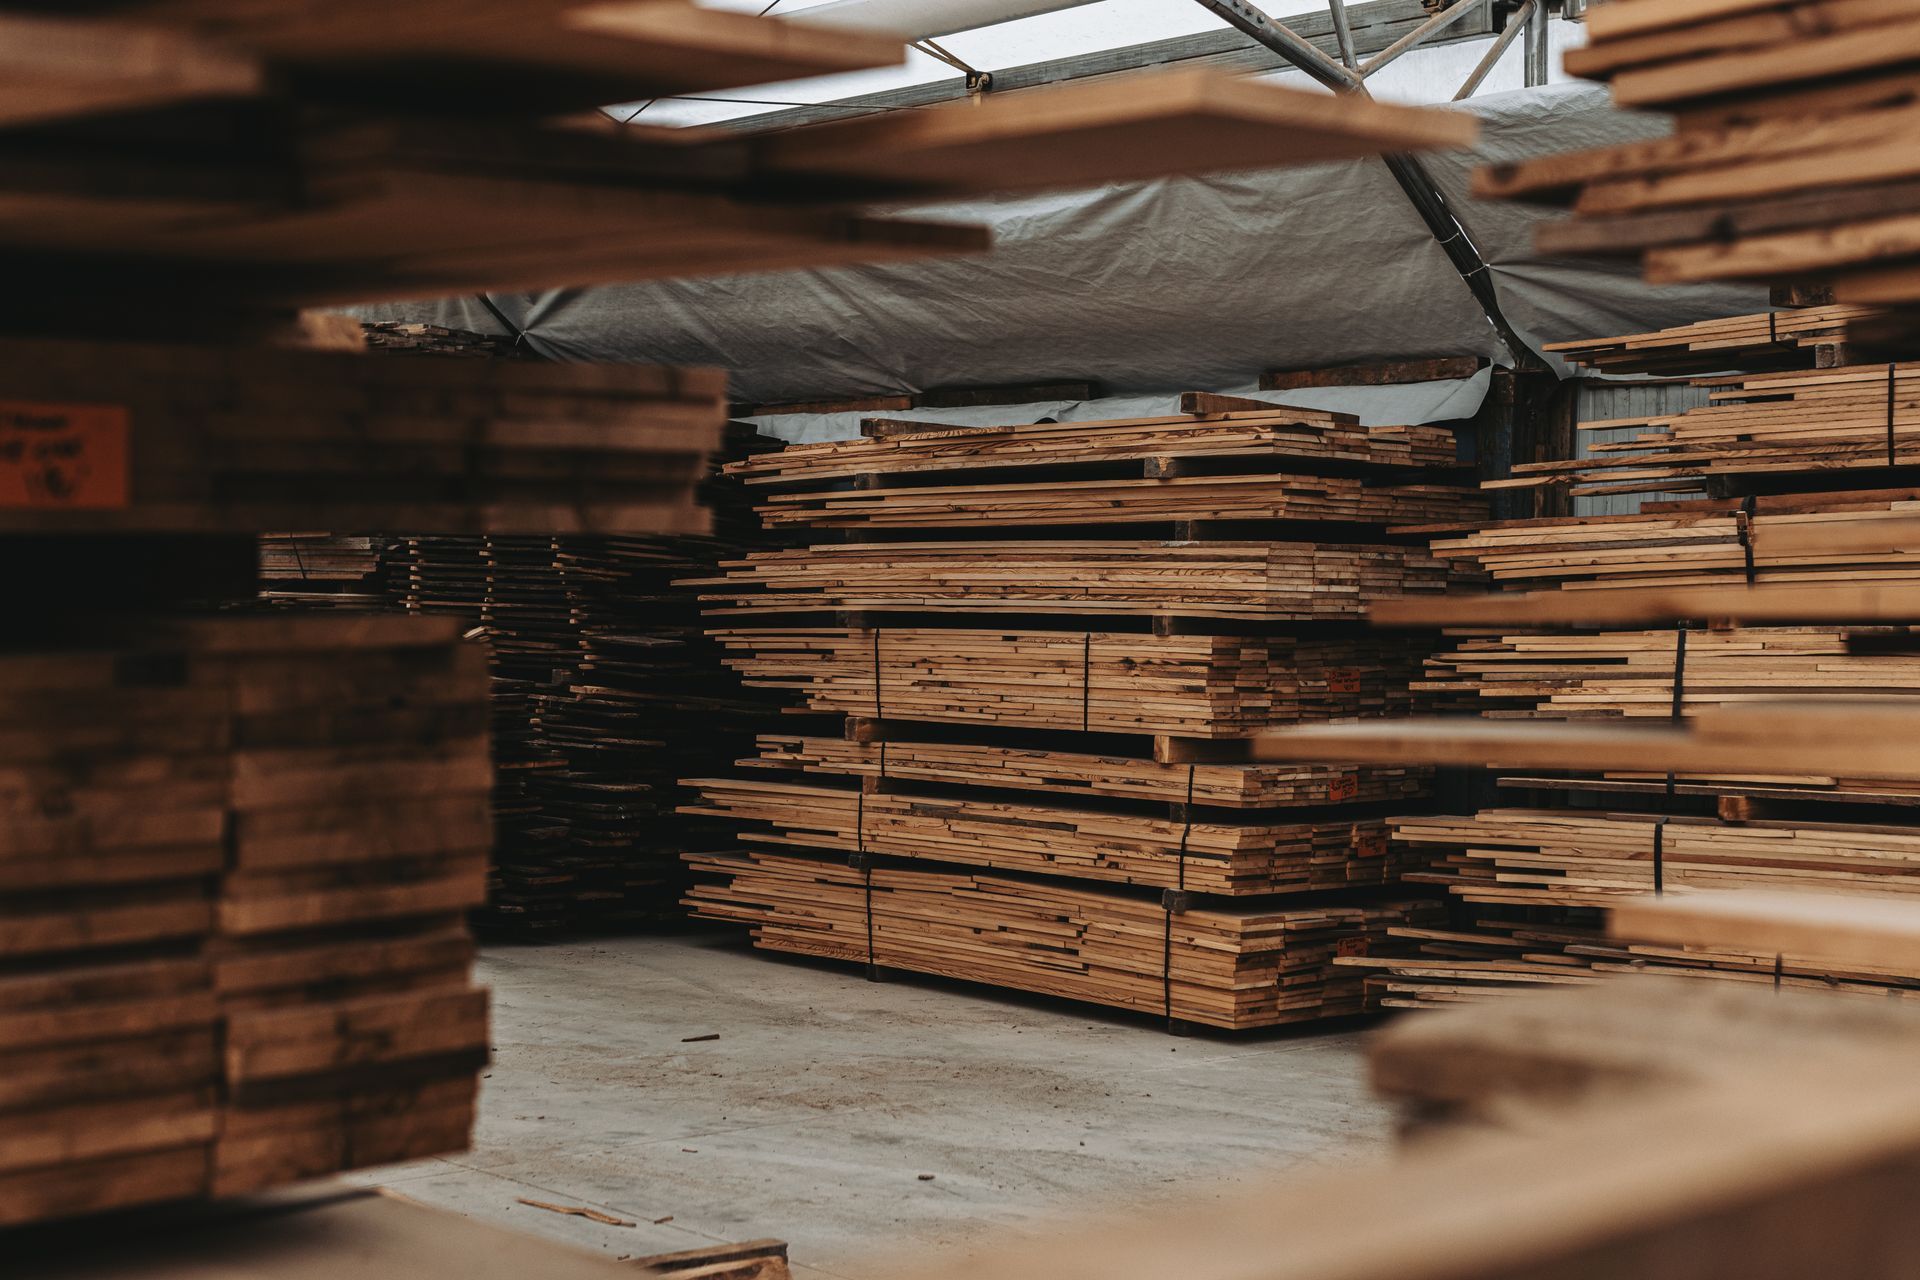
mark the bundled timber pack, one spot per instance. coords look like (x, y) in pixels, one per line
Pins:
(1793, 158)
(235, 873)
(1232, 967)
(1004, 804)
(1795, 338)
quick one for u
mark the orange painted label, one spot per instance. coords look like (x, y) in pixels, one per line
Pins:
(1342, 680)
(1370, 842)
(1350, 947)
(71, 456)
(1345, 787)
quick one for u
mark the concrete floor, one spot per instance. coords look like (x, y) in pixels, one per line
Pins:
(826, 1097)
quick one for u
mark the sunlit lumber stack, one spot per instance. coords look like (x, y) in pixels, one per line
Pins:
(1109, 773)
(236, 871)
(1859, 538)
(1793, 155)
(1798, 338)
(1162, 852)
(130, 437)
(1227, 967)
(1205, 686)
(1254, 581)
(1093, 743)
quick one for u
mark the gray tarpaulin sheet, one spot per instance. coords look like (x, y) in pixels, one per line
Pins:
(1147, 288)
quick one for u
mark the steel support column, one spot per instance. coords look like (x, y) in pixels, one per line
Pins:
(1421, 191)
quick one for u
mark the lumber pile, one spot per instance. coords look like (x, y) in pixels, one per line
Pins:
(1110, 773)
(1852, 537)
(1031, 787)
(603, 691)
(234, 880)
(1793, 338)
(1792, 156)
(1252, 581)
(1230, 967)
(103, 437)
(356, 186)
(1856, 418)
(1159, 851)
(1196, 686)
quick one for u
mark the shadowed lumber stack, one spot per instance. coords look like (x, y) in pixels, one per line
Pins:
(98, 437)
(1802, 338)
(1793, 157)
(1857, 538)
(1227, 967)
(1192, 686)
(1258, 581)
(1201, 855)
(232, 894)
(1083, 773)
(1858, 417)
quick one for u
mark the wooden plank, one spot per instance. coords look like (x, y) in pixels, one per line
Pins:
(1385, 373)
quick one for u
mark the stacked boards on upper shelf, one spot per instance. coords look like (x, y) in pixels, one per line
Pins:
(238, 856)
(1794, 156)
(1014, 804)
(99, 437)
(1794, 338)
(353, 185)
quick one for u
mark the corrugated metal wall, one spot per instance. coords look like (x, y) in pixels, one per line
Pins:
(1607, 401)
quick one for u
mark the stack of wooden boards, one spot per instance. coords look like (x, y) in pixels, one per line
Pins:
(1797, 338)
(603, 690)
(352, 183)
(1793, 157)
(1783, 455)
(112, 437)
(236, 863)
(1004, 804)
(1854, 418)
(603, 686)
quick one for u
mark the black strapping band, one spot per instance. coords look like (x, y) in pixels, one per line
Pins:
(1660, 856)
(1779, 969)
(883, 759)
(1086, 681)
(879, 712)
(1679, 703)
(862, 861)
(1743, 520)
(1175, 901)
(1773, 330)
